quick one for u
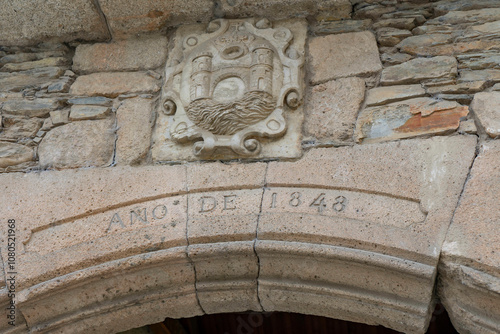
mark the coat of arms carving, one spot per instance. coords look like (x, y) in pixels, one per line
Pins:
(233, 87)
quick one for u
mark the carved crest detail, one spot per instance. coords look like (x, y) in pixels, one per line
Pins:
(231, 86)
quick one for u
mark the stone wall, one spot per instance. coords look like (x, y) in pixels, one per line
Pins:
(389, 207)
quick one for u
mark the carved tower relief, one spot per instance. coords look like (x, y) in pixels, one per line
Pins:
(233, 89)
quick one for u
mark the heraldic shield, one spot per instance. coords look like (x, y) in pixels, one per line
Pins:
(230, 87)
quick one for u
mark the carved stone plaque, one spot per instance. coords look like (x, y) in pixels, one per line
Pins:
(233, 89)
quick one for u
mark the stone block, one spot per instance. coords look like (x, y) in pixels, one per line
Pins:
(94, 101)
(134, 118)
(384, 95)
(25, 23)
(470, 260)
(357, 56)
(60, 86)
(332, 109)
(461, 88)
(406, 23)
(148, 52)
(409, 118)
(47, 62)
(82, 112)
(17, 128)
(279, 9)
(35, 77)
(467, 16)
(340, 27)
(127, 19)
(68, 146)
(390, 59)
(415, 70)
(226, 276)
(391, 36)
(22, 57)
(12, 154)
(486, 107)
(491, 74)
(114, 83)
(59, 117)
(31, 108)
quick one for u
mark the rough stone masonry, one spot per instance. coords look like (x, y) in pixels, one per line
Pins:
(365, 191)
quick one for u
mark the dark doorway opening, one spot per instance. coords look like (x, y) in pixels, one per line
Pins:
(285, 323)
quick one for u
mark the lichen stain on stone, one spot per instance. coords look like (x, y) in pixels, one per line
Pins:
(442, 120)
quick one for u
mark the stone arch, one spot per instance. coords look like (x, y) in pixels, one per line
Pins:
(349, 241)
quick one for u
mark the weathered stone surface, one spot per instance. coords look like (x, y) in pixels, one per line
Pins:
(69, 146)
(455, 48)
(372, 11)
(130, 18)
(468, 16)
(16, 128)
(409, 118)
(340, 27)
(30, 108)
(461, 88)
(82, 112)
(486, 106)
(114, 84)
(478, 75)
(406, 23)
(47, 62)
(226, 276)
(358, 56)
(444, 6)
(391, 36)
(460, 98)
(36, 77)
(424, 44)
(467, 126)
(479, 61)
(418, 69)
(57, 117)
(30, 22)
(383, 95)
(332, 109)
(95, 101)
(148, 52)
(26, 57)
(470, 260)
(60, 86)
(390, 59)
(282, 9)
(135, 122)
(13, 154)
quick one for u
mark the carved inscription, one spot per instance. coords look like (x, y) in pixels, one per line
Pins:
(139, 215)
(348, 204)
(212, 213)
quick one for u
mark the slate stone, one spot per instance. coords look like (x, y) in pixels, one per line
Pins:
(82, 112)
(95, 100)
(31, 108)
(419, 69)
